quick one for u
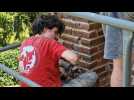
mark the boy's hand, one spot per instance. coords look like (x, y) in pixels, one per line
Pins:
(70, 56)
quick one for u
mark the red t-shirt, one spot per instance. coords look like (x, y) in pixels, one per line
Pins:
(39, 61)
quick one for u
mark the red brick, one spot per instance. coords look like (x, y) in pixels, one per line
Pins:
(96, 56)
(111, 62)
(87, 42)
(106, 85)
(84, 49)
(85, 57)
(108, 76)
(68, 44)
(102, 82)
(98, 69)
(80, 19)
(72, 17)
(100, 32)
(101, 47)
(66, 16)
(97, 82)
(76, 24)
(92, 42)
(81, 25)
(70, 38)
(106, 79)
(69, 22)
(68, 30)
(84, 33)
(101, 39)
(110, 66)
(102, 61)
(105, 61)
(87, 65)
(80, 33)
(94, 26)
(80, 48)
(92, 34)
(103, 74)
(90, 58)
(93, 50)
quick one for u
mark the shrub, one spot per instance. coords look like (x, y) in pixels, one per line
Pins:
(8, 58)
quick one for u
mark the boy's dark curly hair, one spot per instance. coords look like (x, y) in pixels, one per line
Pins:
(47, 21)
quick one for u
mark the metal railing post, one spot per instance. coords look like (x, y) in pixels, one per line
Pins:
(18, 77)
(127, 55)
(8, 47)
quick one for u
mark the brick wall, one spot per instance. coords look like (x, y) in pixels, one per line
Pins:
(87, 40)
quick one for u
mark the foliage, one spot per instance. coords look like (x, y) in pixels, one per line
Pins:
(8, 58)
(14, 27)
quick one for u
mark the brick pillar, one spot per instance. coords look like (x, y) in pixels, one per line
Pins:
(87, 40)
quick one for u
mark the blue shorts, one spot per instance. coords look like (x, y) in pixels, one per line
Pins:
(113, 36)
(113, 43)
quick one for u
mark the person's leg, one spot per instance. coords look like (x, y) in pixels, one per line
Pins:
(113, 47)
(117, 73)
(116, 77)
(113, 50)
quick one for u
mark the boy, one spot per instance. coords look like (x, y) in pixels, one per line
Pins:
(40, 54)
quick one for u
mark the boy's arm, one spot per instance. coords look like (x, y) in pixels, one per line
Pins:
(70, 56)
(60, 51)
